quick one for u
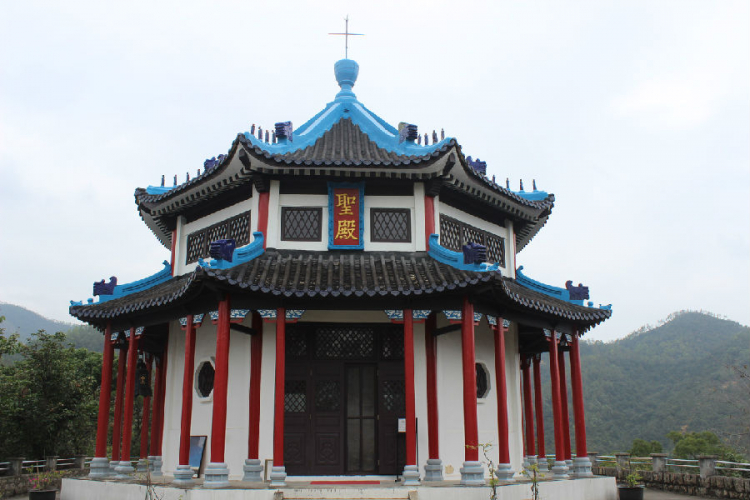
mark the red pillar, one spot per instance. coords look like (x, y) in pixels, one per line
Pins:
(119, 395)
(145, 415)
(565, 422)
(539, 409)
(187, 393)
(101, 468)
(471, 434)
(429, 219)
(433, 439)
(501, 390)
(556, 405)
(256, 358)
(263, 215)
(127, 430)
(221, 380)
(528, 409)
(577, 389)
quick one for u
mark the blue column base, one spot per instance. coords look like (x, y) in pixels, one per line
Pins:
(100, 468)
(183, 476)
(155, 464)
(582, 467)
(410, 476)
(472, 474)
(504, 472)
(217, 475)
(560, 470)
(124, 470)
(252, 471)
(278, 477)
(433, 470)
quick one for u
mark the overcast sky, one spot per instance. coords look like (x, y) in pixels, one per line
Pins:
(635, 114)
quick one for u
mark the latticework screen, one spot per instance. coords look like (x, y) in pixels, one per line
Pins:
(454, 234)
(237, 228)
(301, 223)
(390, 224)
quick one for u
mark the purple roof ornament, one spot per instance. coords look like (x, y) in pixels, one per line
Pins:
(102, 288)
(579, 292)
(478, 165)
(285, 130)
(222, 249)
(407, 132)
(474, 253)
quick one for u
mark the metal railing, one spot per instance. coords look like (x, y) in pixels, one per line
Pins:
(682, 463)
(726, 468)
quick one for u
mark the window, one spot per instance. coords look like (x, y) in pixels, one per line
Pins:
(483, 381)
(454, 234)
(236, 228)
(390, 225)
(301, 224)
(205, 379)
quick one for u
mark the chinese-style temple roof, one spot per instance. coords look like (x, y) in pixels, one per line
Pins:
(344, 140)
(308, 280)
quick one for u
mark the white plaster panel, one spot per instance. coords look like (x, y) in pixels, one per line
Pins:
(238, 401)
(173, 397)
(450, 400)
(420, 393)
(418, 229)
(274, 214)
(389, 202)
(510, 250)
(513, 385)
(267, 380)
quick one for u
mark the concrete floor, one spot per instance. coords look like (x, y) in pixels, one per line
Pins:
(665, 495)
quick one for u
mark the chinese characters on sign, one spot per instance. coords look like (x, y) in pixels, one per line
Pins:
(345, 204)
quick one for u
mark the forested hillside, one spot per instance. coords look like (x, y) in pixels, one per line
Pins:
(25, 322)
(677, 376)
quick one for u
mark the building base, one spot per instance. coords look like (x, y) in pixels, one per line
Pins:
(433, 470)
(100, 468)
(410, 476)
(252, 471)
(155, 464)
(472, 474)
(183, 476)
(582, 467)
(217, 475)
(278, 476)
(504, 472)
(124, 470)
(560, 470)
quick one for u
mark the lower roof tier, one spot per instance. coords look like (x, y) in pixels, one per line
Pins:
(336, 281)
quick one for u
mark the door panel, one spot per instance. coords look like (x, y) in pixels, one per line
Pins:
(391, 407)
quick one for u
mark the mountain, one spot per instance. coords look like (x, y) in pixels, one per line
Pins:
(25, 322)
(675, 376)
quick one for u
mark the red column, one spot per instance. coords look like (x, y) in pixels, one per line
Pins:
(541, 453)
(556, 405)
(577, 389)
(127, 431)
(527, 406)
(501, 391)
(105, 393)
(145, 415)
(221, 380)
(263, 215)
(278, 410)
(429, 219)
(117, 426)
(471, 434)
(187, 393)
(411, 416)
(564, 404)
(256, 358)
(433, 439)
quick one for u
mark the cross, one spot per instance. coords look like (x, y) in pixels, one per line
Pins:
(347, 35)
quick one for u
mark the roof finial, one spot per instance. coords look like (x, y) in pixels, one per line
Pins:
(533, 183)
(346, 37)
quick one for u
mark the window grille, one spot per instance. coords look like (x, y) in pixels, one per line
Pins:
(327, 395)
(393, 394)
(295, 396)
(301, 224)
(205, 379)
(454, 234)
(198, 242)
(483, 381)
(390, 225)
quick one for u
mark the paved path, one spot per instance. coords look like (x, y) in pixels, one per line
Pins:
(666, 495)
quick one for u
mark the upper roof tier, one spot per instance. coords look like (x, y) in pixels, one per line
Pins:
(344, 140)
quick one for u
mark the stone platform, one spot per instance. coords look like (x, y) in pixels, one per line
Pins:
(596, 488)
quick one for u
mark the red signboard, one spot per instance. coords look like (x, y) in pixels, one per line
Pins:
(345, 204)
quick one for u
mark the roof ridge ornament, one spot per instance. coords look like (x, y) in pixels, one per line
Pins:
(346, 36)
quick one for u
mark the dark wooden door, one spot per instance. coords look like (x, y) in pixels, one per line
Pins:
(326, 419)
(361, 419)
(391, 407)
(297, 418)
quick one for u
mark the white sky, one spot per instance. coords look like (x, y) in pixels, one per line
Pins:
(636, 114)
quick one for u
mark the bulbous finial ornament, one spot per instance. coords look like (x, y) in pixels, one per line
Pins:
(346, 71)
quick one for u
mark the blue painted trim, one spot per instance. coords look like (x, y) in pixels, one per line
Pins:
(456, 259)
(240, 256)
(140, 285)
(159, 189)
(347, 185)
(549, 290)
(533, 195)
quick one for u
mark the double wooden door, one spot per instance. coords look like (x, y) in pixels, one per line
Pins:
(341, 416)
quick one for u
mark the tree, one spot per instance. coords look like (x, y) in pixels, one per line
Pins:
(694, 444)
(49, 400)
(642, 448)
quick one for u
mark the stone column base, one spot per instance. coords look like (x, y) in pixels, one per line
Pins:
(99, 468)
(528, 461)
(410, 476)
(155, 464)
(543, 465)
(560, 470)
(183, 476)
(582, 467)
(472, 474)
(278, 476)
(112, 466)
(504, 472)
(143, 465)
(433, 470)
(217, 475)
(124, 470)
(253, 471)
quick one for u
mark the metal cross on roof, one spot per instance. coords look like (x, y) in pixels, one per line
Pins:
(346, 37)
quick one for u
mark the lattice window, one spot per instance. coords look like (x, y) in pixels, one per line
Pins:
(205, 377)
(392, 344)
(296, 344)
(390, 224)
(483, 381)
(394, 396)
(301, 224)
(327, 395)
(198, 242)
(295, 396)
(345, 343)
(454, 234)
